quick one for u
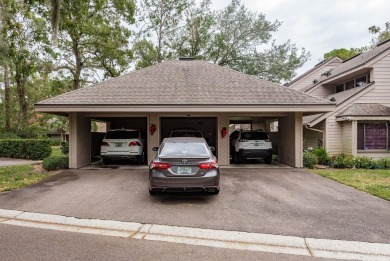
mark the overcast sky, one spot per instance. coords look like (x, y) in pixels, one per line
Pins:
(321, 25)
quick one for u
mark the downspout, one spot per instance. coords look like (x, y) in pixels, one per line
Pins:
(317, 130)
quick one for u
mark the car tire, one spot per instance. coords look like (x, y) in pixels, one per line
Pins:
(234, 157)
(141, 159)
(106, 161)
(268, 160)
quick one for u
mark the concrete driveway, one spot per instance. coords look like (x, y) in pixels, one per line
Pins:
(273, 201)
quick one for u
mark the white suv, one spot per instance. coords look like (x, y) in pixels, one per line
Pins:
(250, 144)
(122, 144)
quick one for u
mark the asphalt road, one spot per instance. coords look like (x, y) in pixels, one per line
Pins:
(288, 202)
(20, 243)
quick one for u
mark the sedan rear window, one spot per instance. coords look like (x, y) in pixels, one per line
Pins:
(184, 149)
(121, 134)
(254, 136)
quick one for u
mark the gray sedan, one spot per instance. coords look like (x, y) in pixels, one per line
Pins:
(184, 164)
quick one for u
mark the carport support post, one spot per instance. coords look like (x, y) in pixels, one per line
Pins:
(291, 140)
(79, 140)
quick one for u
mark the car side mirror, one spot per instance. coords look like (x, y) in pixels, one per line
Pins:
(155, 149)
(212, 149)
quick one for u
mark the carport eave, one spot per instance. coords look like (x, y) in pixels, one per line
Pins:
(65, 109)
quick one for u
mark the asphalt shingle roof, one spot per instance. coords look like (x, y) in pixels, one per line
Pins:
(181, 82)
(345, 95)
(366, 109)
(355, 62)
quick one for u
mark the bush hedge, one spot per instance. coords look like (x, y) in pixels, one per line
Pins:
(54, 163)
(65, 148)
(55, 142)
(34, 149)
(309, 159)
(322, 155)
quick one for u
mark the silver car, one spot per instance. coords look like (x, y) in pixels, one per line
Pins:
(184, 164)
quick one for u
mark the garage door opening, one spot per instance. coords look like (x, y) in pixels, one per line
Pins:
(206, 125)
(136, 123)
(248, 149)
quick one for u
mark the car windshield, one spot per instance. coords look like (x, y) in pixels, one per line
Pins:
(184, 149)
(195, 134)
(254, 136)
(122, 134)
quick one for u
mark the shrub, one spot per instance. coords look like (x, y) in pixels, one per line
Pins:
(65, 148)
(342, 161)
(25, 149)
(322, 155)
(54, 163)
(364, 163)
(309, 160)
(55, 142)
(383, 163)
(8, 135)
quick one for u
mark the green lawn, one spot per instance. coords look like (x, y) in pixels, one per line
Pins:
(375, 182)
(14, 177)
(56, 151)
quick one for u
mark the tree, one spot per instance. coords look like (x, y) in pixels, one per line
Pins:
(342, 53)
(194, 38)
(379, 36)
(93, 37)
(160, 20)
(25, 40)
(239, 34)
(230, 37)
(4, 59)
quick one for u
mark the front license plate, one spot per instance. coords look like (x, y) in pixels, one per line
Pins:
(184, 170)
(118, 144)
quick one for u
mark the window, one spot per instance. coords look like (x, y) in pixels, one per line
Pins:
(373, 136)
(352, 83)
(361, 81)
(340, 87)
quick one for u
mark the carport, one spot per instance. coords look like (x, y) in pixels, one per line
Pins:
(187, 94)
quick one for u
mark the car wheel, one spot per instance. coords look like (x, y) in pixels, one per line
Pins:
(106, 161)
(234, 157)
(268, 160)
(141, 159)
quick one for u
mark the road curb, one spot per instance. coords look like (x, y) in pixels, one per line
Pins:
(326, 248)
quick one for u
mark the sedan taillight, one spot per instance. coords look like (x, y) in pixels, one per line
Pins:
(105, 143)
(134, 143)
(208, 165)
(159, 165)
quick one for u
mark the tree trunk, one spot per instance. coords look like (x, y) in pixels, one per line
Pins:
(79, 64)
(20, 89)
(7, 98)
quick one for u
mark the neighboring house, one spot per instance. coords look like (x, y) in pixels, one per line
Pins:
(360, 87)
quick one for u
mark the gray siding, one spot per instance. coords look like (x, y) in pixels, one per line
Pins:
(313, 138)
(381, 76)
(316, 74)
(347, 138)
(334, 144)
